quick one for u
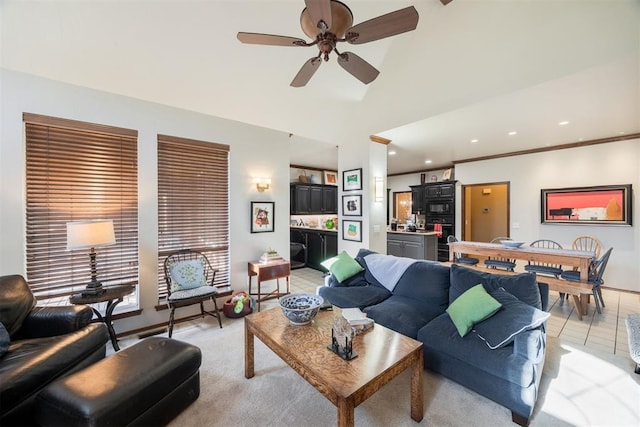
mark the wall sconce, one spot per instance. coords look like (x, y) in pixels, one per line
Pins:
(262, 184)
(379, 189)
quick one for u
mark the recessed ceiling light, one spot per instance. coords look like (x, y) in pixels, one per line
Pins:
(513, 132)
(621, 133)
(427, 161)
(565, 122)
(392, 153)
(473, 141)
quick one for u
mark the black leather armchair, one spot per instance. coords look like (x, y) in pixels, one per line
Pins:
(45, 343)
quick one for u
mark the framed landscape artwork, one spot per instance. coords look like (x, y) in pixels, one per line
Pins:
(604, 204)
(330, 177)
(262, 214)
(352, 230)
(352, 205)
(352, 180)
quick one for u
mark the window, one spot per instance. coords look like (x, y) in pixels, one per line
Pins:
(193, 202)
(78, 171)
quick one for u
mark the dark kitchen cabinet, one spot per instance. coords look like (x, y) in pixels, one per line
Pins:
(417, 199)
(321, 245)
(315, 203)
(313, 199)
(330, 199)
(440, 191)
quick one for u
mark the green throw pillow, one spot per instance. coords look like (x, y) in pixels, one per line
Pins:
(473, 306)
(342, 266)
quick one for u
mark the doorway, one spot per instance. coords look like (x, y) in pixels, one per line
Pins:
(402, 206)
(485, 211)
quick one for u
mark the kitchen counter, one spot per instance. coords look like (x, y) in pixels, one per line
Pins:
(421, 232)
(296, 227)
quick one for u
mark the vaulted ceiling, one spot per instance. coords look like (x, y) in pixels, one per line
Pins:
(472, 70)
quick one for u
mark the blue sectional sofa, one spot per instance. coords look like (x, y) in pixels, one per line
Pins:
(501, 358)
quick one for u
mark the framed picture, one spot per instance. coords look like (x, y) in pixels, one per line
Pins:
(604, 204)
(352, 180)
(352, 205)
(446, 175)
(262, 215)
(352, 230)
(330, 177)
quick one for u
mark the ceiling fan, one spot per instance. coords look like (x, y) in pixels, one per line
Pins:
(329, 22)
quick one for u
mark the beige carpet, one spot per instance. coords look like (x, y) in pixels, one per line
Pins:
(578, 388)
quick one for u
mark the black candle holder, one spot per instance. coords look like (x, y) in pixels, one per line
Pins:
(346, 352)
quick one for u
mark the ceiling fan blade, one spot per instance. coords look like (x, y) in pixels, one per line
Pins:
(388, 25)
(358, 67)
(319, 10)
(306, 72)
(270, 39)
(445, 2)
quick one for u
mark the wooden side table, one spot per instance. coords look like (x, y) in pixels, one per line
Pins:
(112, 295)
(269, 271)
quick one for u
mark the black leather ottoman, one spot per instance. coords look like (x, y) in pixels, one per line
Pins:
(146, 384)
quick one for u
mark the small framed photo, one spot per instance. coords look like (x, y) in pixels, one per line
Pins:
(352, 230)
(330, 177)
(262, 216)
(352, 180)
(352, 205)
(446, 175)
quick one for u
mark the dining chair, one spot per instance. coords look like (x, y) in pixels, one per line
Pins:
(544, 268)
(587, 244)
(499, 262)
(189, 278)
(595, 277)
(460, 258)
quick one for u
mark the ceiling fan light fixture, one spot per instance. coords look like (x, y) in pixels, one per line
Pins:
(341, 20)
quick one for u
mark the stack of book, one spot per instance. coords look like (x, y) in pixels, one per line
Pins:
(270, 256)
(357, 319)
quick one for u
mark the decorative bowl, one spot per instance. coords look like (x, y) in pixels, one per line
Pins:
(300, 309)
(511, 243)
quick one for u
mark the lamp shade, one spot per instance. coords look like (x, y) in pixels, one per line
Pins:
(90, 234)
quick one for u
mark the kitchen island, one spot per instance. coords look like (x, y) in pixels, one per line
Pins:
(417, 245)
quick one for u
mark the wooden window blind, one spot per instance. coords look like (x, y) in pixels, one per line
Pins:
(193, 202)
(78, 171)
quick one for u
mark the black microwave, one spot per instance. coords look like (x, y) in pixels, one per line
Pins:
(440, 208)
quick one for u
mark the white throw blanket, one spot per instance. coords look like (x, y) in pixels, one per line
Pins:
(387, 269)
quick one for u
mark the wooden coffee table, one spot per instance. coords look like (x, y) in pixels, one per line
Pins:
(382, 355)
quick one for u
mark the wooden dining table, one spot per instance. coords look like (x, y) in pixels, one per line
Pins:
(579, 291)
(565, 257)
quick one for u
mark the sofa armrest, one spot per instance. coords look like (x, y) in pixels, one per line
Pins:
(531, 344)
(51, 321)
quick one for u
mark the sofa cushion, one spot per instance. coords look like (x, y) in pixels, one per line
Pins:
(31, 364)
(441, 337)
(426, 282)
(342, 266)
(513, 318)
(5, 341)
(474, 305)
(523, 286)
(356, 280)
(16, 302)
(402, 314)
(353, 296)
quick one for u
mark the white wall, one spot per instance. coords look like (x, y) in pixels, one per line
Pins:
(254, 152)
(613, 163)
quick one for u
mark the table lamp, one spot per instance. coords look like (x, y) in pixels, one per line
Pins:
(90, 235)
